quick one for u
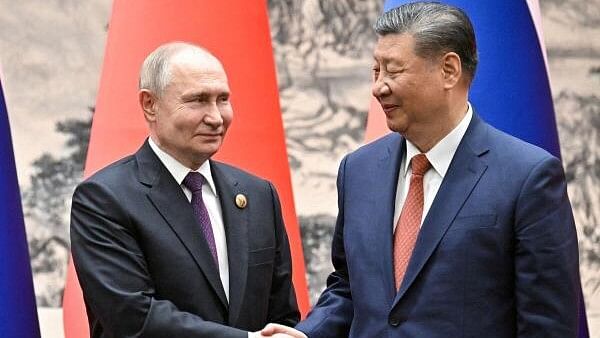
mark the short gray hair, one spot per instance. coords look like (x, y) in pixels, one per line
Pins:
(155, 73)
(437, 29)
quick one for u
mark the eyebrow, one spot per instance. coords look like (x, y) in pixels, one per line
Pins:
(387, 61)
(383, 58)
(204, 94)
(195, 95)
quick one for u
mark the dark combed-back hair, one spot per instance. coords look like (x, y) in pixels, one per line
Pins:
(437, 29)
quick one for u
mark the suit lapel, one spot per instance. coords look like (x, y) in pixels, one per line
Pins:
(170, 201)
(463, 175)
(385, 176)
(236, 230)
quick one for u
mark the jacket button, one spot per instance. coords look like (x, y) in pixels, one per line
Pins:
(394, 322)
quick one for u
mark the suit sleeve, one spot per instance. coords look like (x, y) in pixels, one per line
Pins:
(333, 313)
(546, 260)
(283, 308)
(114, 276)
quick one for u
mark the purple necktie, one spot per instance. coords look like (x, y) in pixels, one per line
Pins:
(194, 181)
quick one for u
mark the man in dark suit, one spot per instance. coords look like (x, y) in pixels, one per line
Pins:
(169, 243)
(446, 227)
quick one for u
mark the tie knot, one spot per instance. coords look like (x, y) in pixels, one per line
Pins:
(193, 181)
(420, 164)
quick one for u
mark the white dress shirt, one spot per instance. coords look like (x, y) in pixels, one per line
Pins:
(439, 156)
(211, 200)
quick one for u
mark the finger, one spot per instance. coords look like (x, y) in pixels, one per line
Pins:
(281, 331)
(267, 330)
(271, 329)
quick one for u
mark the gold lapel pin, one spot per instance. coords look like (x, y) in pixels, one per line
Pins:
(241, 201)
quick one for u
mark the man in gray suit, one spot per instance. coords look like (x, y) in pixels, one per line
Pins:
(169, 243)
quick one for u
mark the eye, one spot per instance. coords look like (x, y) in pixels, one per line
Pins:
(196, 99)
(223, 98)
(375, 73)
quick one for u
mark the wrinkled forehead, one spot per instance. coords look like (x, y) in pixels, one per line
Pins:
(196, 59)
(195, 79)
(197, 67)
(394, 47)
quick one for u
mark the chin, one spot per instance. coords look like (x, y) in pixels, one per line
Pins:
(396, 127)
(207, 145)
(206, 151)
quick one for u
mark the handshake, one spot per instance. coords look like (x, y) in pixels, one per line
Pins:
(277, 331)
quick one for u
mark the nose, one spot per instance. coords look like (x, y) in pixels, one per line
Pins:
(213, 116)
(380, 88)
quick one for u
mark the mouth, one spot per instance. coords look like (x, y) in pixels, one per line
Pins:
(388, 108)
(210, 135)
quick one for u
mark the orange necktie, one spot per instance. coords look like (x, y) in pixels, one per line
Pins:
(409, 222)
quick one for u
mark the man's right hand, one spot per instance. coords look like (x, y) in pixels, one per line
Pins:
(258, 334)
(280, 331)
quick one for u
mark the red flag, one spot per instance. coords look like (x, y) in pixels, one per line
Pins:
(239, 36)
(376, 123)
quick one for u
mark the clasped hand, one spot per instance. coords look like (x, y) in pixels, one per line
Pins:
(278, 331)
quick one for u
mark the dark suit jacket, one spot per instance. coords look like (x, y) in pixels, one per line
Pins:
(496, 255)
(145, 267)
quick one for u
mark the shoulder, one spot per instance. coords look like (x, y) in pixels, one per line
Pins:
(515, 152)
(514, 163)
(379, 148)
(232, 180)
(236, 174)
(116, 182)
(114, 173)
(108, 191)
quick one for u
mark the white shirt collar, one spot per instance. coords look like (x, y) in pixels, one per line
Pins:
(442, 153)
(180, 171)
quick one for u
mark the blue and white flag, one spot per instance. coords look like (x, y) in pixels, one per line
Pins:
(511, 89)
(18, 316)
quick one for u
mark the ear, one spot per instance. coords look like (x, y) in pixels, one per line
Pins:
(148, 103)
(451, 69)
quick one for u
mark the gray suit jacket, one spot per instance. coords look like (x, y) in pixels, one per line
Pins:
(145, 267)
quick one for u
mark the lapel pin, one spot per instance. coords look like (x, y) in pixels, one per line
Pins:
(241, 201)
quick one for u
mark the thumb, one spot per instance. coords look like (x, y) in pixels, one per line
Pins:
(268, 330)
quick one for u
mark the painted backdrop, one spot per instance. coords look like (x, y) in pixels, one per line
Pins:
(52, 51)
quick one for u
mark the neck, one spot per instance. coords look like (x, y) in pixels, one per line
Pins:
(433, 134)
(192, 164)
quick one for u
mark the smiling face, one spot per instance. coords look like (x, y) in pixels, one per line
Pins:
(410, 89)
(189, 119)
